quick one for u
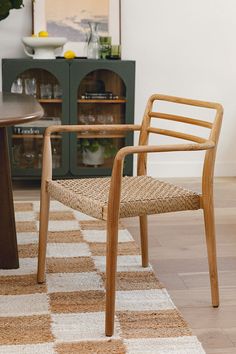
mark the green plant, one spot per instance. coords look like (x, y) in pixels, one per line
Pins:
(94, 144)
(7, 5)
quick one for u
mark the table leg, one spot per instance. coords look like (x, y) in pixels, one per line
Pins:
(8, 242)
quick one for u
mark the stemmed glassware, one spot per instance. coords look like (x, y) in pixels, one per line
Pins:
(105, 119)
(86, 120)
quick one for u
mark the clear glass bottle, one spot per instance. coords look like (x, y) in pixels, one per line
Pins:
(93, 42)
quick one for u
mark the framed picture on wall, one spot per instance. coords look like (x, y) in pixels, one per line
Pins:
(71, 18)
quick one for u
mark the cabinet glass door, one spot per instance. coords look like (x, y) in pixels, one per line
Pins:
(101, 99)
(27, 139)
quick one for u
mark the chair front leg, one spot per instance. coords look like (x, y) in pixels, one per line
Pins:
(43, 231)
(209, 219)
(144, 239)
(111, 265)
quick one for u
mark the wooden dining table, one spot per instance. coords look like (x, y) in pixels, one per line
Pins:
(14, 109)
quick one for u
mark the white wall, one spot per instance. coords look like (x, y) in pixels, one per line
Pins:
(12, 29)
(184, 48)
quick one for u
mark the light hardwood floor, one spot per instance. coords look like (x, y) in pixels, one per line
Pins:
(178, 255)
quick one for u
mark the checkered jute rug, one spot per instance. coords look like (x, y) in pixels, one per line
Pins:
(66, 315)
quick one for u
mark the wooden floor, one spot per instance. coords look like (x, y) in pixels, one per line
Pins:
(178, 255)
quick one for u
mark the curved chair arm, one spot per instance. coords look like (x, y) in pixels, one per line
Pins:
(127, 150)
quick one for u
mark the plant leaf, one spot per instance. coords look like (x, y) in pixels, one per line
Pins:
(5, 6)
(16, 4)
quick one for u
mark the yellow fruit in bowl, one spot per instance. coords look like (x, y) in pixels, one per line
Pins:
(43, 34)
(69, 54)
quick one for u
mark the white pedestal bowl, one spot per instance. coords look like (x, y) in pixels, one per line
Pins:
(43, 47)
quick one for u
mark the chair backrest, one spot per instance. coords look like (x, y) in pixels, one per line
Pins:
(214, 130)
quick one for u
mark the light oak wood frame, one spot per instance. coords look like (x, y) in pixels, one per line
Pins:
(206, 198)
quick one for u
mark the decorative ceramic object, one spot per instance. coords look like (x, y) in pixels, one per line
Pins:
(43, 47)
(95, 158)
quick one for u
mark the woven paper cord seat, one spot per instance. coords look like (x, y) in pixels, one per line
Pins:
(139, 195)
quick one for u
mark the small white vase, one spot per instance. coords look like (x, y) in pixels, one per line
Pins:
(95, 158)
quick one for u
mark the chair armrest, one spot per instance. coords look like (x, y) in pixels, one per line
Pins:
(91, 128)
(127, 150)
(47, 152)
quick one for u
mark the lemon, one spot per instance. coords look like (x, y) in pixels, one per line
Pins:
(69, 54)
(43, 34)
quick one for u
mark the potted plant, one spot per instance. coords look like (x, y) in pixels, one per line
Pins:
(7, 5)
(95, 150)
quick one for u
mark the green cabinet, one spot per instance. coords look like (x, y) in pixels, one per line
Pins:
(71, 92)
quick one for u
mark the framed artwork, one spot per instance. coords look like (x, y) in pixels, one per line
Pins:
(71, 18)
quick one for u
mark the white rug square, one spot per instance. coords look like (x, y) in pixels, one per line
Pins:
(61, 225)
(23, 305)
(101, 236)
(26, 216)
(124, 264)
(178, 345)
(80, 327)
(143, 300)
(61, 250)
(24, 238)
(27, 266)
(45, 348)
(66, 282)
(80, 216)
(54, 206)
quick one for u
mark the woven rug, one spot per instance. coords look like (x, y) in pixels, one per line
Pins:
(66, 315)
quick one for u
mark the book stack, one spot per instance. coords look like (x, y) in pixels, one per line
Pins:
(107, 95)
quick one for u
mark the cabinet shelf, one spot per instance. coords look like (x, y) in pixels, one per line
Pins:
(82, 100)
(49, 100)
(101, 136)
(33, 136)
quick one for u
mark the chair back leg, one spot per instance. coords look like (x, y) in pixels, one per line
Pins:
(209, 219)
(111, 265)
(43, 231)
(144, 239)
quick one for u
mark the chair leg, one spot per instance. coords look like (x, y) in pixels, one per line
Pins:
(43, 231)
(144, 239)
(211, 250)
(111, 265)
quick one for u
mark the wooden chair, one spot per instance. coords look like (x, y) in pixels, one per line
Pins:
(117, 197)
